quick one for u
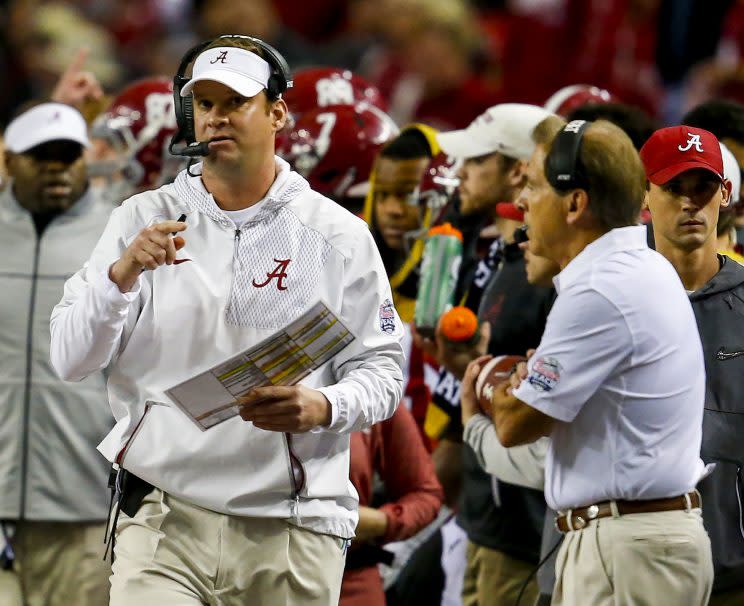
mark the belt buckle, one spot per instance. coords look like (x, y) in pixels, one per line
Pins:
(577, 522)
(572, 522)
(555, 523)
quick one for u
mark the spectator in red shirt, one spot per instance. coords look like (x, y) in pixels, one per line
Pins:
(395, 451)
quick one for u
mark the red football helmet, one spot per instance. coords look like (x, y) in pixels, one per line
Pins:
(439, 182)
(319, 87)
(133, 135)
(568, 98)
(325, 86)
(334, 147)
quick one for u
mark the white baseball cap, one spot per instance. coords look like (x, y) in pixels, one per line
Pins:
(731, 172)
(243, 71)
(505, 128)
(44, 123)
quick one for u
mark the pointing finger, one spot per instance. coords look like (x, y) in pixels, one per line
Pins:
(77, 63)
(167, 227)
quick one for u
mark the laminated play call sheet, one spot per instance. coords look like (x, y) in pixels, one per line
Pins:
(284, 358)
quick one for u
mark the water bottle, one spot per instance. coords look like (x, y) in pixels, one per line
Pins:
(440, 266)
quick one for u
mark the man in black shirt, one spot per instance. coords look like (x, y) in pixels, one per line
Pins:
(503, 522)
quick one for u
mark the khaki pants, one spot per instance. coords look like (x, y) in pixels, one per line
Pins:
(173, 553)
(10, 589)
(493, 578)
(57, 564)
(645, 559)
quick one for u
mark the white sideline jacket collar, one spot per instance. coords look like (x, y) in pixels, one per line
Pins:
(286, 186)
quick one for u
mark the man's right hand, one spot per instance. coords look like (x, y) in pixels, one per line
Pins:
(80, 88)
(152, 248)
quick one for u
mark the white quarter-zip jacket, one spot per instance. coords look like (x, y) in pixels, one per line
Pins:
(239, 287)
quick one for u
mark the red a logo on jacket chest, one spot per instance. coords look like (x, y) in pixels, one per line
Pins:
(279, 272)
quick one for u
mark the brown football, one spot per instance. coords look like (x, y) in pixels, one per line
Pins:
(495, 371)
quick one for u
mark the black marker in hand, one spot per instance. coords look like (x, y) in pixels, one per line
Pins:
(181, 219)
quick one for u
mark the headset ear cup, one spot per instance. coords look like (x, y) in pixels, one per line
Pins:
(563, 163)
(272, 87)
(188, 120)
(183, 106)
(280, 76)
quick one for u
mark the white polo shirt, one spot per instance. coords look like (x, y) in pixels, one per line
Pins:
(620, 367)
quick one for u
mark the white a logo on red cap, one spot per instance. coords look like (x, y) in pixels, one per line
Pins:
(693, 141)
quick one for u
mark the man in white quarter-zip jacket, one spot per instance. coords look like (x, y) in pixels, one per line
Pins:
(259, 506)
(53, 498)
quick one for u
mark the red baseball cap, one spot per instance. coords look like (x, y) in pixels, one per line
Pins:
(674, 150)
(509, 210)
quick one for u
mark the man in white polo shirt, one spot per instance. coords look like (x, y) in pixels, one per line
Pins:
(617, 382)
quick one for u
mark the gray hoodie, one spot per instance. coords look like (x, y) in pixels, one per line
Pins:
(719, 310)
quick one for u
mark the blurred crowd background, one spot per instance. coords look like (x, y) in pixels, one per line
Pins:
(441, 64)
(438, 61)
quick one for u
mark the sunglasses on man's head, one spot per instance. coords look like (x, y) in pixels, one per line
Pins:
(66, 152)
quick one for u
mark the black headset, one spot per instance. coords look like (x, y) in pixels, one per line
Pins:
(521, 235)
(563, 167)
(279, 81)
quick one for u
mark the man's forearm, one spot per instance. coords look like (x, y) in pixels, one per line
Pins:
(366, 395)
(521, 465)
(86, 326)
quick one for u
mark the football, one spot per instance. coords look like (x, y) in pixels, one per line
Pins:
(495, 371)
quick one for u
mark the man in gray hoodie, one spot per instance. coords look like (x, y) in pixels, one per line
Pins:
(684, 199)
(53, 498)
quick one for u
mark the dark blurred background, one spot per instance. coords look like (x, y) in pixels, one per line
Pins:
(438, 61)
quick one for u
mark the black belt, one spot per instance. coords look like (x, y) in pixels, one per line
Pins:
(127, 491)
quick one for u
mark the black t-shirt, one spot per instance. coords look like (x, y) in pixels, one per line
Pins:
(496, 514)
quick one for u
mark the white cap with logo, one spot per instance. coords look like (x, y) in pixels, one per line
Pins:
(505, 128)
(243, 71)
(44, 123)
(731, 172)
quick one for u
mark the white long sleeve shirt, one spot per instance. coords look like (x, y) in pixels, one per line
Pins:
(520, 465)
(183, 319)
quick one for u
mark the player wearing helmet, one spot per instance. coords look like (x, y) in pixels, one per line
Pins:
(565, 100)
(317, 88)
(334, 148)
(408, 187)
(131, 140)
